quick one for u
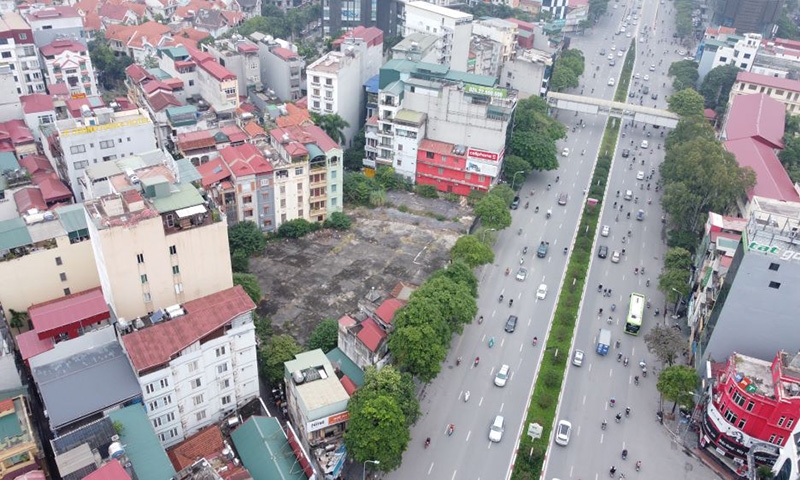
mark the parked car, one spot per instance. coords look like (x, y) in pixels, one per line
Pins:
(515, 203)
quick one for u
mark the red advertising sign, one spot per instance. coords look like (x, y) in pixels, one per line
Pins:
(483, 155)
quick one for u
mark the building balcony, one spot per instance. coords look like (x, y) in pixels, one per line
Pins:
(174, 224)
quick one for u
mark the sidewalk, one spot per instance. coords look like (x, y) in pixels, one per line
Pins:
(689, 441)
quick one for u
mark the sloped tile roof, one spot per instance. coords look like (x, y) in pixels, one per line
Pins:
(245, 160)
(36, 103)
(371, 334)
(757, 116)
(206, 443)
(86, 306)
(213, 171)
(772, 181)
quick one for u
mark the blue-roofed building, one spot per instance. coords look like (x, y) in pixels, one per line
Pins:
(371, 89)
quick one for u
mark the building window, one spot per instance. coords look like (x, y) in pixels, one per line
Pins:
(173, 250)
(223, 384)
(428, 154)
(164, 382)
(772, 438)
(225, 400)
(329, 107)
(63, 276)
(105, 144)
(195, 383)
(780, 440)
(300, 213)
(58, 261)
(178, 288)
(789, 423)
(201, 415)
(143, 277)
(192, 366)
(781, 420)
(81, 164)
(775, 285)
(328, 81)
(298, 171)
(774, 266)
(146, 297)
(197, 399)
(67, 291)
(176, 270)
(738, 399)
(220, 351)
(150, 388)
(222, 368)
(750, 406)
(140, 258)
(741, 423)
(730, 416)
(77, 149)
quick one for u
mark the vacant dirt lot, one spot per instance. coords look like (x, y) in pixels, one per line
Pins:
(326, 274)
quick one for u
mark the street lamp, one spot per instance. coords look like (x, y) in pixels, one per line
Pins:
(483, 236)
(364, 474)
(514, 178)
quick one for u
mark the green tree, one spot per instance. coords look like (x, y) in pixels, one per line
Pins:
(247, 238)
(787, 28)
(18, 319)
(325, 336)
(689, 128)
(671, 280)
(240, 262)
(459, 272)
(716, 87)
(271, 25)
(376, 431)
(250, 284)
(387, 178)
(677, 384)
(685, 73)
(400, 386)
(562, 78)
(333, 125)
(299, 227)
(513, 164)
(359, 188)
(417, 350)
(536, 148)
(573, 58)
(493, 212)
(790, 157)
(471, 251)
(354, 156)
(453, 300)
(278, 350)
(109, 67)
(504, 192)
(597, 8)
(263, 329)
(686, 103)
(678, 258)
(338, 221)
(665, 342)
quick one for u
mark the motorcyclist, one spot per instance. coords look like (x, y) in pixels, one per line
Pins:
(618, 417)
(627, 411)
(624, 453)
(548, 186)
(510, 302)
(557, 178)
(536, 209)
(636, 379)
(477, 361)
(535, 341)
(501, 297)
(604, 424)
(480, 320)
(427, 442)
(458, 361)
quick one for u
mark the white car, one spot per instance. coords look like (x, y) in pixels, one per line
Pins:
(613, 47)
(619, 53)
(637, 76)
(628, 34)
(647, 78)
(652, 68)
(577, 358)
(610, 56)
(502, 376)
(645, 144)
(541, 293)
(640, 175)
(628, 195)
(563, 432)
(615, 257)
(611, 82)
(565, 152)
(497, 428)
(522, 274)
(605, 231)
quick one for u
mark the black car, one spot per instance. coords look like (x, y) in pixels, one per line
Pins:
(654, 96)
(602, 251)
(515, 203)
(626, 153)
(511, 323)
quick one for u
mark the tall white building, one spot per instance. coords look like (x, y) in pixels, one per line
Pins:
(67, 61)
(196, 362)
(335, 82)
(99, 136)
(453, 28)
(722, 47)
(281, 67)
(19, 54)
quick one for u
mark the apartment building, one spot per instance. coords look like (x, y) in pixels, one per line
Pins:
(527, 73)
(344, 15)
(99, 135)
(723, 47)
(784, 90)
(19, 449)
(501, 32)
(54, 23)
(18, 53)
(417, 47)
(251, 183)
(68, 62)
(335, 81)
(202, 75)
(468, 112)
(281, 67)
(38, 110)
(152, 240)
(49, 258)
(452, 27)
(195, 362)
(308, 176)
(240, 56)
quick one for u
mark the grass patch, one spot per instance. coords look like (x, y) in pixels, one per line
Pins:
(558, 345)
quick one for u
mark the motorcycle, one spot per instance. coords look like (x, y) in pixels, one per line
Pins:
(527, 204)
(491, 342)
(480, 319)
(625, 362)
(466, 396)
(612, 402)
(627, 411)
(549, 212)
(638, 465)
(636, 380)
(500, 300)
(508, 270)
(519, 232)
(458, 361)
(510, 302)
(427, 442)
(477, 361)
(625, 454)
(536, 210)
(524, 250)
(603, 425)
(535, 341)
(450, 429)
(647, 283)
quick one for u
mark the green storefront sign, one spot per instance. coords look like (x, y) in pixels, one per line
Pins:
(487, 91)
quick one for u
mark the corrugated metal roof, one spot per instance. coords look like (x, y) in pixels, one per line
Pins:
(347, 366)
(72, 217)
(13, 234)
(187, 172)
(409, 116)
(186, 196)
(141, 444)
(8, 161)
(75, 308)
(260, 438)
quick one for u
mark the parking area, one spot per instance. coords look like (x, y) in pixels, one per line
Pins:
(326, 274)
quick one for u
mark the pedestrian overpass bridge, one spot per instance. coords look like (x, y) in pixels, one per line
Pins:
(625, 111)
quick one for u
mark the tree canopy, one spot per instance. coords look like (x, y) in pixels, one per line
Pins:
(249, 283)
(324, 336)
(677, 383)
(246, 237)
(567, 68)
(109, 67)
(470, 250)
(665, 342)
(493, 212)
(597, 8)
(716, 87)
(790, 155)
(685, 73)
(686, 103)
(278, 350)
(534, 135)
(333, 125)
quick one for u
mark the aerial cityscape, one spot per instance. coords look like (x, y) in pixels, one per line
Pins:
(399, 239)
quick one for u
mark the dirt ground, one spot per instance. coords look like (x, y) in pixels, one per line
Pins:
(326, 274)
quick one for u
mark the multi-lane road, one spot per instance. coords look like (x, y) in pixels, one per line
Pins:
(469, 453)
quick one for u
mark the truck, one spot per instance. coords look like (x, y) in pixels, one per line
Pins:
(603, 341)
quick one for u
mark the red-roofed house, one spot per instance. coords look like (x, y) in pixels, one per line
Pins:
(199, 147)
(16, 137)
(37, 110)
(205, 444)
(240, 57)
(68, 61)
(252, 179)
(196, 349)
(213, 173)
(772, 181)
(136, 41)
(784, 90)
(385, 312)
(364, 342)
(113, 14)
(281, 69)
(756, 116)
(110, 471)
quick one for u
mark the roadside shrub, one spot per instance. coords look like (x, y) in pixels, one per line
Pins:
(338, 221)
(545, 400)
(551, 379)
(296, 228)
(426, 191)
(240, 263)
